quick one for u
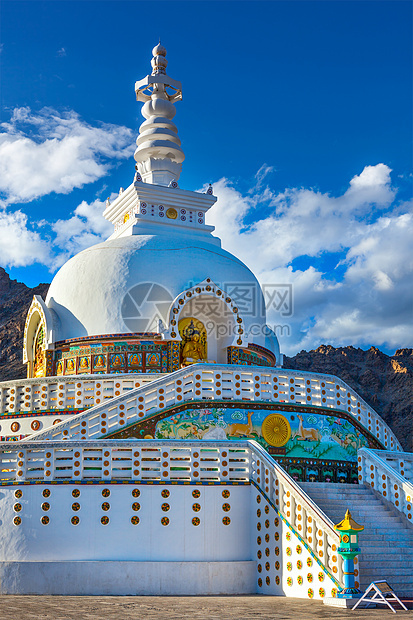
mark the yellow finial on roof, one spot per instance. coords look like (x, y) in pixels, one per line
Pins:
(348, 523)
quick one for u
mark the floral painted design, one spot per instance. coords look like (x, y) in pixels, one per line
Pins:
(289, 581)
(298, 549)
(105, 492)
(135, 492)
(165, 521)
(134, 520)
(75, 520)
(299, 564)
(289, 566)
(322, 592)
(136, 506)
(310, 593)
(300, 580)
(225, 493)
(288, 535)
(165, 493)
(226, 520)
(226, 507)
(277, 580)
(196, 493)
(17, 520)
(75, 493)
(19, 493)
(309, 562)
(309, 577)
(196, 521)
(320, 576)
(45, 520)
(104, 520)
(288, 551)
(196, 507)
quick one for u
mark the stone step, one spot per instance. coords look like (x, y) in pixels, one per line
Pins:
(367, 538)
(327, 493)
(406, 580)
(368, 558)
(387, 571)
(383, 551)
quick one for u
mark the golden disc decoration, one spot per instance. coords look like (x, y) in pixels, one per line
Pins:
(172, 213)
(276, 430)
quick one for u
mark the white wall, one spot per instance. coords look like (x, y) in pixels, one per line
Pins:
(120, 540)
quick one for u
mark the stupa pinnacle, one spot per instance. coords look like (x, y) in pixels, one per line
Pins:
(159, 155)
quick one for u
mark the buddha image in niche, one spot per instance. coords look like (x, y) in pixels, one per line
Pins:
(135, 359)
(84, 363)
(117, 360)
(99, 362)
(193, 346)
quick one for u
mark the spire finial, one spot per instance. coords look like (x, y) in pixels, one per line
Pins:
(159, 155)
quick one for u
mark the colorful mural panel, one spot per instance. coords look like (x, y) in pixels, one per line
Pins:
(305, 435)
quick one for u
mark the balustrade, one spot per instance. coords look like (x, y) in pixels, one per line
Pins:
(391, 475)
(125, 402)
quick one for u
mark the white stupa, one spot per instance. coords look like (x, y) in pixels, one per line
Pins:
(162, 264)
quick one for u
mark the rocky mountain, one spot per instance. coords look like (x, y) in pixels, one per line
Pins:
(15, 299)
(385, 382)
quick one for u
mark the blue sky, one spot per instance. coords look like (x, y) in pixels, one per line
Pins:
(299, 113)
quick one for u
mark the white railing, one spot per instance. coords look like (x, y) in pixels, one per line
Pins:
(78, 392)
(185, 461)
(216, 382)
(298, 509)
(390, 474)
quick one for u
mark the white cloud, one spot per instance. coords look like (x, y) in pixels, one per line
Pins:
(85, 228)
(62, 52)
(19, 245)
(50, 151)
(366, 237)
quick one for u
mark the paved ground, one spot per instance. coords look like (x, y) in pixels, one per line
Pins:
(174, 607)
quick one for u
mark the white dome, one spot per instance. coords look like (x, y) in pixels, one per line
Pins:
(89, 293)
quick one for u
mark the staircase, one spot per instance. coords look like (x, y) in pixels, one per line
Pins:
(387, 540)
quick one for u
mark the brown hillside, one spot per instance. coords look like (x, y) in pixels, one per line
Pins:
(15, 299)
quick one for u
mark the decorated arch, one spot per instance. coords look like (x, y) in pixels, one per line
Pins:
(37, 333)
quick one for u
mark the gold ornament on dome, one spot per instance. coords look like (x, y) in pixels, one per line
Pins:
(172, 213)
(276, 430)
